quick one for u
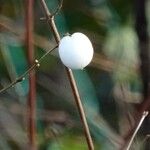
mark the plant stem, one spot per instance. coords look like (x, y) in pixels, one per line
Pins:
(51, 22)
(31, 113)
(22, 77)
(145, 113)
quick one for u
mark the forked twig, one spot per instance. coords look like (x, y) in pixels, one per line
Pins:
(72, 81)
(22, 77)
(145, 113)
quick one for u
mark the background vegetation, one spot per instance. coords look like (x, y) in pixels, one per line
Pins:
(111, 87)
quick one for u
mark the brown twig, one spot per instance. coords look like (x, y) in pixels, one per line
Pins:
(22, 77)
(31, 113)
(144, 107)
(145, 113)
(50, 20)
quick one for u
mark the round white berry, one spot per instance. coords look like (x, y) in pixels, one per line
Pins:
(76, 51)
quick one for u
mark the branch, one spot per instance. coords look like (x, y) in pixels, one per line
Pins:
(22, 77)
(50, 20)
(145, 113)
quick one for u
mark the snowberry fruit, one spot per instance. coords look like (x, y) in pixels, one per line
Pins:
(75, 51)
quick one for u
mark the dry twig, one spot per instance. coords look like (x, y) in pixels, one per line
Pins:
(51, 22)
(22, 77)
(145, 113)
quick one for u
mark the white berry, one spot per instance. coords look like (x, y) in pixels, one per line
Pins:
(76, 51)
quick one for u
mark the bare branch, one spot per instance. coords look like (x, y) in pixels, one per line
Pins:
(22, 77)
(50, 20)
(145, 113)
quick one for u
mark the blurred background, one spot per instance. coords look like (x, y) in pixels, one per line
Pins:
(114, 88)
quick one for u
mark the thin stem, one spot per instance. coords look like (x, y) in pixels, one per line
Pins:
(22, 77)
(70, 75)
(80, 109)
(31, 113)
(145, 113)
(31, 103)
